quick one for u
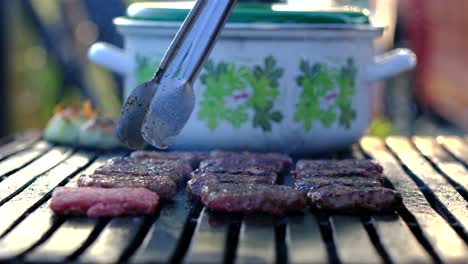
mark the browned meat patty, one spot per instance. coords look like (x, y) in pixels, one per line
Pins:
(307, 184)
(239, 165)
(353, 198)
(164, 186)
(176, 170)
(336, 172)
(193, 158)
(284, 160)
(198, 181)
(368, 165)
(252, 198)
(96, 202)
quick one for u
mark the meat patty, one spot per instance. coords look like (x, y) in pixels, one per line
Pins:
(284, 160)
(237, 165)
(368, 165)
(198, 181)
(96, 202)
(193, 158)
(175, 169)
(252, 198)
(307, 184)
(164, 186)
(336, 172)
(353, 198)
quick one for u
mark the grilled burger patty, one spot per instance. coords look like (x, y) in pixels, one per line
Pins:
(239, 165)
(284, 161)
(307, 184)
(198, 181)
(164, 186)
(250, 198)
(336, 172)
(353, 198)
(193, 158)
(368, 165)
(177, 170)
(96, 202)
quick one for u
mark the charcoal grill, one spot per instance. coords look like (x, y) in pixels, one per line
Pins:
(431, 174)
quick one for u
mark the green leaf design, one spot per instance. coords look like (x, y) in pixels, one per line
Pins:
(221, 80)
(264, 80)
(317, 82)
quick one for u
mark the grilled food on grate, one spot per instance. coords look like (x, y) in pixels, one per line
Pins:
(368, 165)
(306, 184)
(336, 172)
(177, 170)
(96, 202)
(276, 158)
(199, 180)
(252, 198)
(344, 185)
(354, 198)
(193, 158)
(163, 185)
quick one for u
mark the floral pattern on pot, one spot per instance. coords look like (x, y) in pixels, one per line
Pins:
(233, 93)
(238, 94)
(326, 94)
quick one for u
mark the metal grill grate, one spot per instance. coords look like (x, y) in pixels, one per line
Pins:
(431, 174)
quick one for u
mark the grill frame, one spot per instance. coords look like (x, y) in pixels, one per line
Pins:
(431, 174)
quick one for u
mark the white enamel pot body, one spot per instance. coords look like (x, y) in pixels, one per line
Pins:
(268, 87)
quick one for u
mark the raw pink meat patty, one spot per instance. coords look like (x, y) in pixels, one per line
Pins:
(93, 202)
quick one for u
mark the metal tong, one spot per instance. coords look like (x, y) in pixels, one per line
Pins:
(157, 110)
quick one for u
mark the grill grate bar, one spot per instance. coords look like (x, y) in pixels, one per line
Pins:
(211, 232)
(22, 159)
(304, 240)
(280, 239)
(21, 179)
(187, 233)
(386, 232)
(233, 239)
(256, 240)
(116, 236)
(67, 230)
(390, 230)
(34, 228)
(162, 238)
(444, 164)
(352, 240)
(457, 147)
(181, 231)
(97, 227)
(431, 230)
(20, 143)
(442, 196)
(38, 192)
(328, 237)
(370, 226)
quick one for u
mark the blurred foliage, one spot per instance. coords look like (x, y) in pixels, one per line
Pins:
(34, 78)
(380, 127)
(36, 81)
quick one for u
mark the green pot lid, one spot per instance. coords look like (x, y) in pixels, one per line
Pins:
(252, 13)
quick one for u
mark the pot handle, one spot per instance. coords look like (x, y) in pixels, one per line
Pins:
(391, 63)
(110, 57)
